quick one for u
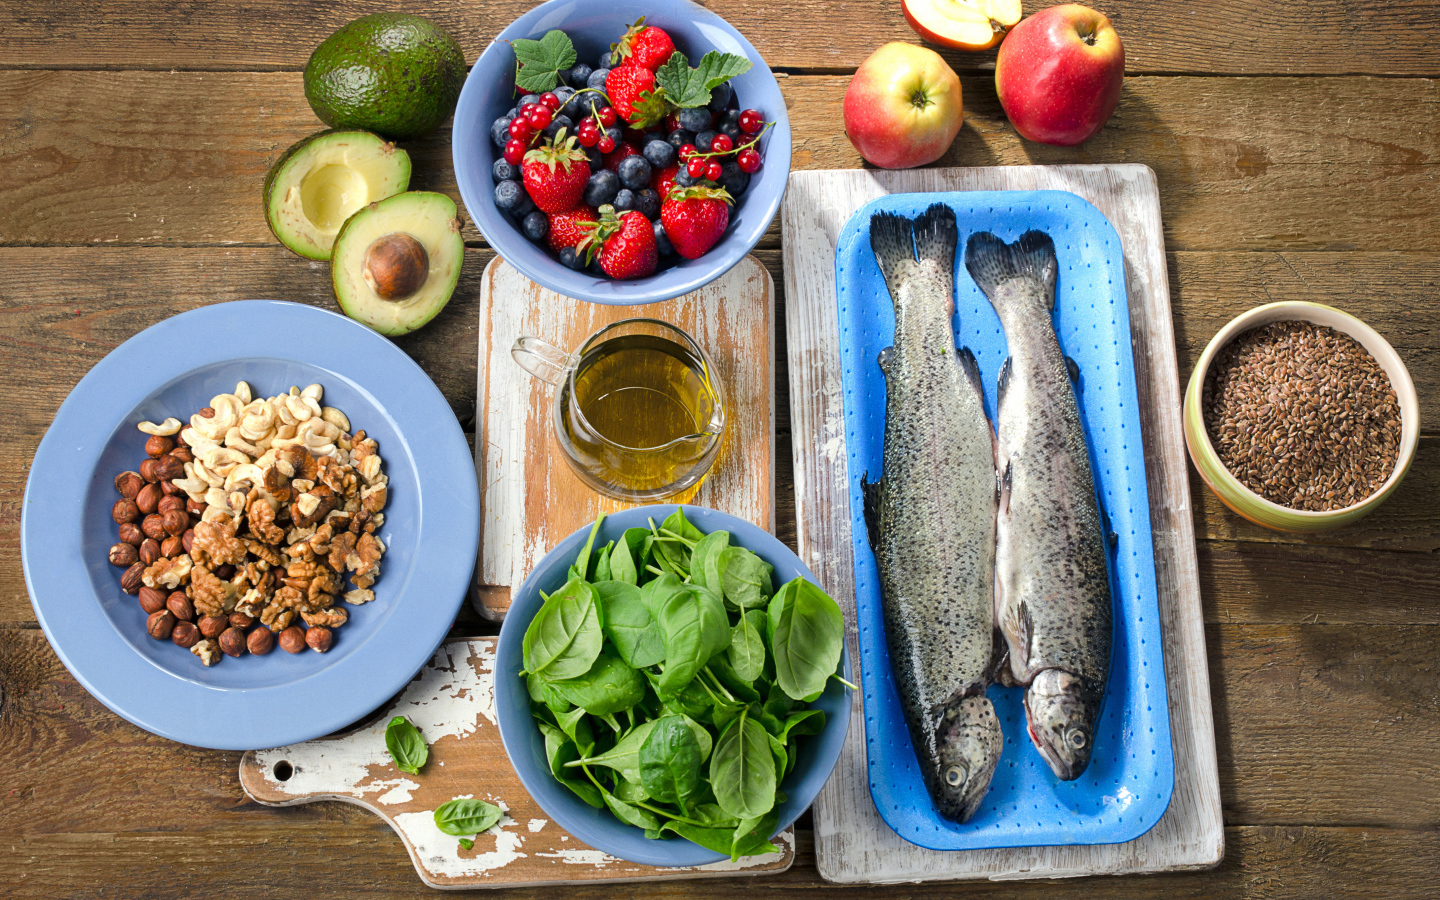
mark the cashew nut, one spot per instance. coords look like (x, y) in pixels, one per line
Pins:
(166, 428)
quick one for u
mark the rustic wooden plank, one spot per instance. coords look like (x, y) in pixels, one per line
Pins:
(1243, 163)
(1239, 36)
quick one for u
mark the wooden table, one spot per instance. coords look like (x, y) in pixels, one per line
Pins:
(134, 136)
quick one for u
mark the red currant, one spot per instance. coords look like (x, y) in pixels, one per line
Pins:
(749, 161)
(696, 167)
(605, 144)
(607, 116)
(714, 171)
(588, 137)
(549, 99)
(751, 121)
(520, 128)
(722, 144)
(539, 115)
(687, 151)
(514, 151)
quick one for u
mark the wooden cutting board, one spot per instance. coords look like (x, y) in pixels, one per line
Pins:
(451, 701)
(852, 843)
(530, 500)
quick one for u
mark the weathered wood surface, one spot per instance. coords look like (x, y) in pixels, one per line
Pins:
(452, 702)
(530, 499)
(1234, 37)
(1243, 163)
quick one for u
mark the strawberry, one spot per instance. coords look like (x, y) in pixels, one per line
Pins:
(627, 86)
(662, 180)
(645, 46)
(624, 149)
(555, 174)
(568, 229)
(694, 218)
(625, 243)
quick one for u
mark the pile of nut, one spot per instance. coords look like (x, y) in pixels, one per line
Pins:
(248, 520)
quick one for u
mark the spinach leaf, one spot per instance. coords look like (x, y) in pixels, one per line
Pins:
(670, 762)
(630, 791)
(779, 704)
(745, 578)
(807, 721)
(626, 560)
(655, 592)
(629, 625)
(560, 751)
(624, 757)
(702, 737)
(542, 692)
(694, 627)
(576, 727)
(406, 746)
(808, 633)
(742, 690)
(710, 815)
(752, 836)
(704, 560)
(677, 550)
(719, 840)
(466, 815)
(742, 771)
(692, 700)
(564, 638)
(581, 568)
(602, 565)
(466, 844)
(747, 647)
(632, 815)
(607, 688)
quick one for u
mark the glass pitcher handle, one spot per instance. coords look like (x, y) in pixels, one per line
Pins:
(542, 359)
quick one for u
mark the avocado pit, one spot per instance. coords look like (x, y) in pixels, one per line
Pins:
(396, 266)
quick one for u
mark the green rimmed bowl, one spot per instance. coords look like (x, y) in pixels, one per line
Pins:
(1246, 502)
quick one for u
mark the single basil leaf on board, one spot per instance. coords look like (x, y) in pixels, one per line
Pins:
(466, 815)
(582, 559)
(694, 627)
(560, 750)
(406, 746)
(628, 623)
(677, 552)
(747, 649)
(809, 631)
(752, 836)
(564, 638)
(602, 564)
(542, 61)
(466, 844)
(704, 557)
(670, 762)
(742, 770)
(609, 687)
(744, 577)
(624, 757)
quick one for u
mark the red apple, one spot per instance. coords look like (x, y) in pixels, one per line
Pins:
(1059, 74)
(902, 108)
(966, 24)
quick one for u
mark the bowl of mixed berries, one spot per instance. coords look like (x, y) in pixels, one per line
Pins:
(621, 152)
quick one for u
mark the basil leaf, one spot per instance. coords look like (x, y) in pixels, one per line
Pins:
(467, 844)
(628, 623)
(541, 61)
(808, 630)
(406, 746)
(560, 751)
(704, 560)
(747, 647)
(744, 577)
(670, 762)
(564, 638)
(609, 687)
(466, 815)
(694, 628)
(742, 770)
(752, 836)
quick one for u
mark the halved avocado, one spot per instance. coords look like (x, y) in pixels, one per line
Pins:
(322, 180)
(396, 262)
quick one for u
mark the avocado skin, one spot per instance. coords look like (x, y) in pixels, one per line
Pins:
(391, 73)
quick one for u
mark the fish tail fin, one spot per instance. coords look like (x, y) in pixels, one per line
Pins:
(971, 369)
(893, 244)
(936, 236)
(992, 262)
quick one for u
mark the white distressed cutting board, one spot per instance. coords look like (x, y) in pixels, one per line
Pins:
(452, 702)
(852, 843)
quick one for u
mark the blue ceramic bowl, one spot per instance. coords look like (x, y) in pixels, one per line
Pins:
(593, 26)
(526, 746)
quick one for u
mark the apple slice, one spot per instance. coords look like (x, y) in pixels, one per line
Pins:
(966, 24)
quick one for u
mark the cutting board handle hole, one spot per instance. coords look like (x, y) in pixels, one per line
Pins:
(283, 770)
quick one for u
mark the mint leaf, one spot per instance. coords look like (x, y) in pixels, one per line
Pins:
(685, 87)
(541, 61)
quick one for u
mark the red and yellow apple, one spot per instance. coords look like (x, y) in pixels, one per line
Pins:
(966, 24)
(902, 108)
(1059, 74)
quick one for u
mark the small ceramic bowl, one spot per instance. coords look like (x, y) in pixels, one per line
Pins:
(1246, 502)
(592, 26)
(525, 745)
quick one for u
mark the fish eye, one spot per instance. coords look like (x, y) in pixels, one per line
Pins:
(1077, 738)
(955, 776)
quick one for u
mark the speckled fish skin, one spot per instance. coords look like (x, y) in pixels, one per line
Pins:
(1052, 589)
(931, 519)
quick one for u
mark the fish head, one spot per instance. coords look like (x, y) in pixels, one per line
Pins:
(969, 749)
(1061, 710)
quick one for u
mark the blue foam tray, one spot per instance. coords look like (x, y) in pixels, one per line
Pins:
(1128, 784)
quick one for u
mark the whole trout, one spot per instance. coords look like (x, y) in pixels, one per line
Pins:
(1052, 589)
(931, 518)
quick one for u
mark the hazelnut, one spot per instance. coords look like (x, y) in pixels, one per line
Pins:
(151, 599)
(172, 547)
(240, 620)
(225, 572)
(169, 503)
(261, 641)
(175, 521)
(232, 642)
(153, 527)
(185, 634)
(187, 539)
(161, 625)
(318, 638)
(207, 412)
(124, 511)
(148, 500)
(123, 555)
(158, 446)
(149, 551)
(169, 489)
(180, 442)
(180, 605)
(211, 626)
(194, 507)
(292, 639)
(129, 484)
(183, 454)
(147, 471)
(130, 582)
(169, 468)
(130, 533)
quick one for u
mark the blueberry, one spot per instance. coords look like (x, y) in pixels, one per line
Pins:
(683, 178)
(527, 100)
(511, 113)
(731, 117)
(696, 120)
(634, 172)
(601, 188)
(607, 58)
(564, 93)
(720, 97)
(731, 131)
(624, 201)
(524, 206)
(662, 240)
(570, 259)
(596, 269)
(660, 154)
(580, 74)
(597, 79)
(503, 171)
(649, 136)
(500, 131)
(558, 123)
(732, 179)
(616, 135)
(648, 202)
(596, 158)
(508, 194)
(704, 140)
(680, 137)
(536, 226)
(581, 106)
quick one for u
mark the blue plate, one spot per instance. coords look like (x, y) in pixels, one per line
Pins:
(173, 369)
(526, 746)
(1128, 784)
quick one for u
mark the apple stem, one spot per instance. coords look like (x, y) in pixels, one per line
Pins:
(919, 100)
(1087, 36)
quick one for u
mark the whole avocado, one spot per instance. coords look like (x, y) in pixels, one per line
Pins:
(391, 73)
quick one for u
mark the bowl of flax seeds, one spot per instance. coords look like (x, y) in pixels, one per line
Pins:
(1300, 417)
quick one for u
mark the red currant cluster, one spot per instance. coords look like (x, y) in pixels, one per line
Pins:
(591, 131)
(529, 121)
(747, 157)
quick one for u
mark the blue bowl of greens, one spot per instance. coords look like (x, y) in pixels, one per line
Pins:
(668, 686)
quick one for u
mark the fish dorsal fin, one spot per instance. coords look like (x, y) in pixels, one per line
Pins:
(972, 368)
(1025, 627)
(870, 495)
(1002, 484)
(992, 262)
(1074, 371)
(1002, 383)
(936, 236)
